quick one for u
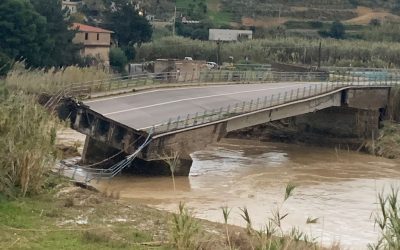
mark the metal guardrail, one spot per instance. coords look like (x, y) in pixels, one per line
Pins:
(261, 103)
(190, 78)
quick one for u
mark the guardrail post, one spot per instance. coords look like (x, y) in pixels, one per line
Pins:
(291, 95)
(251, 104)
(204, 116)
(298, 92)
(243, 106)
(168, 124)
(212, 114)
(220, 113)
(177, 122)
(265, 101)
(258, 100)
(195, 118)
(187, 120)
(279, 98)
(272, 100)
(284, 98)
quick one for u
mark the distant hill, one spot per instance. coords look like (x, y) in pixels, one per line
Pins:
(267, 13)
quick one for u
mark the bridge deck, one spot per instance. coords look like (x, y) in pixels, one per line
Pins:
(145, 109)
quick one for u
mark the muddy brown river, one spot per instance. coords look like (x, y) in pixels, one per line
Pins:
(334, 185)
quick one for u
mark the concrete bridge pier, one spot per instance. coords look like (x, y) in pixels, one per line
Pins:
(96, 152)
(181, 144)
(161, 167)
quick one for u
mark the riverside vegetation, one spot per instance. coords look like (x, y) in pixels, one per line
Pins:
(355, 53)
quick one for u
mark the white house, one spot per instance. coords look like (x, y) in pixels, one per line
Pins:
(70, 5)
(229, 35)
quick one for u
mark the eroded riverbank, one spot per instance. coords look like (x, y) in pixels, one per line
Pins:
(337, 186)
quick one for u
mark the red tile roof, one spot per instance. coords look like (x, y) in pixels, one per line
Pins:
(87, 28)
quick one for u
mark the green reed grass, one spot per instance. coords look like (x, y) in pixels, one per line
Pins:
(185, 229)
(387, 219)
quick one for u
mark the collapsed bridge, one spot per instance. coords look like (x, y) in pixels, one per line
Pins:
(152, 125)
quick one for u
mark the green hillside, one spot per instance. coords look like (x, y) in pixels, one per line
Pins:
(264, 12)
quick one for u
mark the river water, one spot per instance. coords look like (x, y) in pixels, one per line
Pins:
(334, 185)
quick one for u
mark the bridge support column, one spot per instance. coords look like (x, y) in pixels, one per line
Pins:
(161, 167)
(95, 151)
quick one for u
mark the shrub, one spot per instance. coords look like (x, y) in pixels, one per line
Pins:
(118, 59)
(337, 30)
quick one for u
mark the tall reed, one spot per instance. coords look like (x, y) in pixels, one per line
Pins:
(287, 50)
(27, 138)
(53, 79)
(185, 229)
(387, 218)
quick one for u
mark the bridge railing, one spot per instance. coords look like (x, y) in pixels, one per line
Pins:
(189, 78)
(336, 81)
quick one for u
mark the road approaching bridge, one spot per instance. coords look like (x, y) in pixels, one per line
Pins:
(144, 109)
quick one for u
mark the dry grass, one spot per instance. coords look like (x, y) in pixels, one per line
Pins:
(51, 80)
(387, 144)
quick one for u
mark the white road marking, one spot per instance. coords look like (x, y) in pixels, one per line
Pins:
(194, 98)
(183, 88)
(157, 90)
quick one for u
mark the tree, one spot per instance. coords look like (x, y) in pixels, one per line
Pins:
(60, 48)
(337, 30)
(130, 28)
(23, 33)
(118, 59)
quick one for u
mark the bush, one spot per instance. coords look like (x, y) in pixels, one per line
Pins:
(337, 30)
(27, 150)
(118, 59)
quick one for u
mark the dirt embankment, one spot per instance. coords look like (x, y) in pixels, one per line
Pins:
(287, 132)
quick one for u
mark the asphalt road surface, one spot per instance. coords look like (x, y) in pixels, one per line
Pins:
(145, 109)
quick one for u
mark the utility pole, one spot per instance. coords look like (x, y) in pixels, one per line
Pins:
(319, 55)
(174, 22)
(218, 52)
